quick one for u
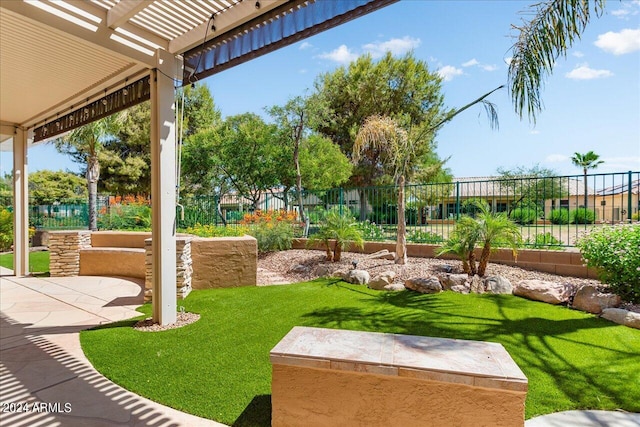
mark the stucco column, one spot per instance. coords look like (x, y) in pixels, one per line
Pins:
(20, 204)
(163, 187)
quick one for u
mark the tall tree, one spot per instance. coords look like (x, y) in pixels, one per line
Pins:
(555, 26)
(247, 155)
(532, 185)
(403, 89)
(84, 145)
(127, 158)
(306, 154)
(400, 150)
(586, 161)
(47, 187)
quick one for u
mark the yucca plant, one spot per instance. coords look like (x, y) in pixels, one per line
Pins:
(341, 229)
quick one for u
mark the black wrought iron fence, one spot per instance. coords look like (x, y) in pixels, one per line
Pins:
(551, 211)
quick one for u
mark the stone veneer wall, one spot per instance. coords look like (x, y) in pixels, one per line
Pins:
(184, 268)
(64, 251)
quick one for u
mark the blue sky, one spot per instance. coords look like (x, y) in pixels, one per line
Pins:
(592, 100)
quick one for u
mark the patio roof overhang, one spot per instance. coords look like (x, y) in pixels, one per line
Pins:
(65, 63)
(57, 57)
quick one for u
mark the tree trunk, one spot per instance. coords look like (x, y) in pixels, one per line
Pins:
(296, 160)
(484, 259)
(93, 174)
(329, 253)
(337, 252)
(401, 240)
(473, 268)
(363, 204)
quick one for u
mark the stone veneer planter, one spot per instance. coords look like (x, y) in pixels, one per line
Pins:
(64, 251)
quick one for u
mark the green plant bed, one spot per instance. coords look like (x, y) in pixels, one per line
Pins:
(38, 261)
(219, 367)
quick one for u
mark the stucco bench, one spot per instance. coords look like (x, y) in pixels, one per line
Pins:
(112, 261)
(326, 377)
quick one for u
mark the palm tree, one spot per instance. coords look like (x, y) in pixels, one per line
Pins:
(586, 161)
(486, 228)
(341, 228)
(556, 24)
(84, 145)
(399, 151)
(495, 228)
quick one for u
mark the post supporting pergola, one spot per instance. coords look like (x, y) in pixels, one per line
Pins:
(163, 186)
(20, 204)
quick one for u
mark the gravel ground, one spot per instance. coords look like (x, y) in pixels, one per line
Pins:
(299, 265)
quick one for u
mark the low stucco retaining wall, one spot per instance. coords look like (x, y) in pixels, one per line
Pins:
(563, 263)
(224, 262)
(324, 377)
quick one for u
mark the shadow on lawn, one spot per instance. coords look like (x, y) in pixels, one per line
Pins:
(549, 350)
(257, 413)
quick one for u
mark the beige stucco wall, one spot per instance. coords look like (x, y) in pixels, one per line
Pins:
(126, 262)
(303, 396)
(119, 239)
(224, 262)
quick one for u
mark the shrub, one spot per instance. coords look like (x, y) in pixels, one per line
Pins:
(524, 215)
(6, 229)
(583, 216)
(420, 236)
(545, 241)
(371, 231)
(215, 231)
(614, 251)
(636, 216)
(273, 230)
(559, 216)
(125, 213)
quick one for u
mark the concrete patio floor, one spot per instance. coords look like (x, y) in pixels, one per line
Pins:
(42, 364)
(43, 368)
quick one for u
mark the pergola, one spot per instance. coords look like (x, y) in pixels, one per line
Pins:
(66, 63)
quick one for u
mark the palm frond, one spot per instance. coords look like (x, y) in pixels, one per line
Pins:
(550, 33)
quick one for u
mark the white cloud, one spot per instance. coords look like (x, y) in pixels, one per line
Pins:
(534, 132)
(448, 72)
(395, 46)
(556, 158)
(475, 63)
(583, 72)
(578, 54)
(626, 41)
(620, 13)
(628, 9)
(342, 55)
(303, 71)
(305, 45)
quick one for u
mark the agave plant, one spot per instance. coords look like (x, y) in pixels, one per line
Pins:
(342, 230)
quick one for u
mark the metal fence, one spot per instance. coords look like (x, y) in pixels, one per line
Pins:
(551, 211)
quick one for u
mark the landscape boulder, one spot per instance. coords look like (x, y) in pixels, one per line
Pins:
(461, 289)
(299, 269)
(622, 317)
(429, 285)
(323, 270)
(383, 279)
(357, 277)
(589, 299)
(477, 285)
(498, 285)
(540, 290)
(449, 280)
(395, 287)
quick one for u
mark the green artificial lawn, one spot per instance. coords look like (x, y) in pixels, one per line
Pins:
(38, 261)
(219, 367)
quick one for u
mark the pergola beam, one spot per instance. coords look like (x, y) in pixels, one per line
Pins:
(237, 15)
(123, 11)
(102, 38)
